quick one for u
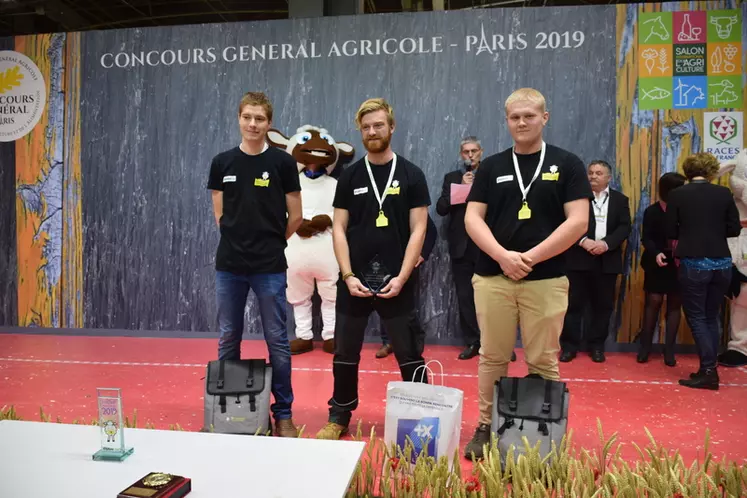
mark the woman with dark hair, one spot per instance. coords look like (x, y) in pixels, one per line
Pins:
(660, 274)
(701, 216)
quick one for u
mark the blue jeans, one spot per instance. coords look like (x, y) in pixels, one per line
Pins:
(702, 294)
(231, 292)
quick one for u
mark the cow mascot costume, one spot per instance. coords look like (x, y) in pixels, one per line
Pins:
(310, 253)
(736, 354)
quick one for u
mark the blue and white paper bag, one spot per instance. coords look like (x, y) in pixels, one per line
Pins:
(429, 415)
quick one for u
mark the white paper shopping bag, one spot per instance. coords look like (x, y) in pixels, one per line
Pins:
(430, 415)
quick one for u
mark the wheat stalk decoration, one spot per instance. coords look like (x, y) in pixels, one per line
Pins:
(663, 60)
(387, 471)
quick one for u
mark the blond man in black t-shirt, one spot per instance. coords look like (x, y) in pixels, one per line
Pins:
(381, 215)
(528, 205)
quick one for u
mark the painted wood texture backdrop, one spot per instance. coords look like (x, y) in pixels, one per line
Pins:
(8, 246)
(48, 181)
(649, 144)
(48, 190)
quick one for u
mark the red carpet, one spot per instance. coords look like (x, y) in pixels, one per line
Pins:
(163, 380)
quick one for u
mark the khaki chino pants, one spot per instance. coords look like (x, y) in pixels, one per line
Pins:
(538, 307)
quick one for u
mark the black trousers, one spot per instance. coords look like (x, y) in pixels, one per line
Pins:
(463, 269)
(415, 327)
(414, 316)
(597, 291)
(352, 315)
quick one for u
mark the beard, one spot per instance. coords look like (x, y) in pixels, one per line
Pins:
(378, 144)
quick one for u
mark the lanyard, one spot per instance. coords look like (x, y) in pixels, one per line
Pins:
(379, 198)
(600, 207)
(525, 190)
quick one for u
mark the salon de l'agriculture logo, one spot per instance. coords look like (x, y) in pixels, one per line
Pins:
(22, 95)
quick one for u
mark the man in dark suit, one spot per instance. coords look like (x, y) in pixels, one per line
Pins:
(593, 265)
(462, 250)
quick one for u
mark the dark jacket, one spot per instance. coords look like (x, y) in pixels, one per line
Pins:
(431, 234)
(456, 234)
(618, 229)
(654, 236)
(701, 216)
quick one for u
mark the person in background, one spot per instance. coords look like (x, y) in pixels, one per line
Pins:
(660, 274)
(701, 216)
(462, 250)
(593, 266)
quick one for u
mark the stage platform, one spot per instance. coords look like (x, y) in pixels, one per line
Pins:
(163, 379)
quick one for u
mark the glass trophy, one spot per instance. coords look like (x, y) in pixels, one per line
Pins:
(111, 425)
(376, 275)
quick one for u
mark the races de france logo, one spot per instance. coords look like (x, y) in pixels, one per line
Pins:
(422, 432)
(723, 128)
(23, 95)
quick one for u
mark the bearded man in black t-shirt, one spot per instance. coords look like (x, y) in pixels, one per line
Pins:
(257, 206)
(381, 213)
(527, 206)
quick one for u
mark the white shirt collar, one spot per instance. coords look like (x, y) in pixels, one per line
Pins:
(264, 148)
(605, 191)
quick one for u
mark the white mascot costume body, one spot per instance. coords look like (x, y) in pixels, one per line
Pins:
(310, 253)
(736, 354)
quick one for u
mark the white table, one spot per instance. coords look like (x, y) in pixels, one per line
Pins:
(44, 459)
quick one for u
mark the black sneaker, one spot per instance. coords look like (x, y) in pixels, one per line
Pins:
(470, 352)
(705, 379)
(643, 353)
(478, 441)
(597, 356)
(567, 356)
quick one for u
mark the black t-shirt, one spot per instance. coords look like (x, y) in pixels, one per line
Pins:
(252, 228)
(562, 179)
(355, 194)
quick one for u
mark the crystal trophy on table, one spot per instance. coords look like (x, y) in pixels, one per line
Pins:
(376, 275)
(111, 425)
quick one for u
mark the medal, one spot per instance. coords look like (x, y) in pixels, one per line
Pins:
(525, 213)
(157, 479)
(381, 220)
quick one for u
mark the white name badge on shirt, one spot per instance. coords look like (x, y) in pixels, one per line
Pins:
(504, 178)
(228, 179)
(359, 191)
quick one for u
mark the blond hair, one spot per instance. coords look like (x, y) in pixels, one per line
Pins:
(528, 95)
(701, 164)
(373, 105)
(258, 99)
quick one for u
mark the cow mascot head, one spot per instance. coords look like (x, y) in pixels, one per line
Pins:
(314, 150)
(317, 154)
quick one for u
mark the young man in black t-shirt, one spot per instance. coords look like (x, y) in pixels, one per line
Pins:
(257, 206)
(381, 212)
(527, 206)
